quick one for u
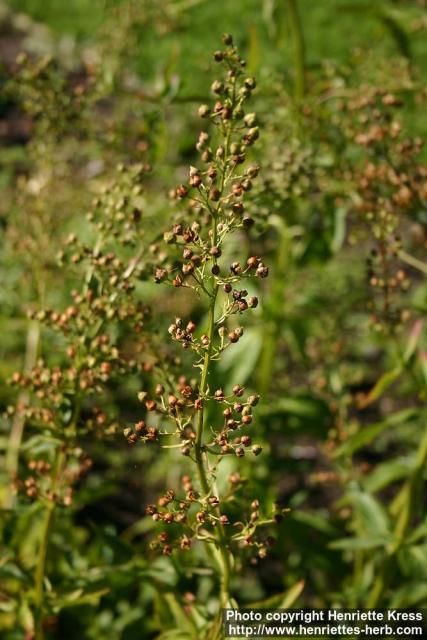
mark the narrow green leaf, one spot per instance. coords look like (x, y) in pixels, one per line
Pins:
(356, 544)
(281, 600)
(369, 433)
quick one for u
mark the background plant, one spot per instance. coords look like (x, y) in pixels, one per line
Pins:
(335, 345)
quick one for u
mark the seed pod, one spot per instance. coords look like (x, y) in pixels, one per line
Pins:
(181, 191)
(203, 111)
(217, 87)
(214, 194)
(233, 337)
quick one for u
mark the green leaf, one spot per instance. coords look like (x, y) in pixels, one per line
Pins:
(339, 229)
(414, 338)
(40, 443)
(78, 597)
(316, 521)
(371, 514)
(410, 595)
(240, 361)
(397, 31)
(387, 473)
(183, 621)
(419, 533)
(11, 570)
(383, 383)
(369, 433)
(413, 561)
(356, 544)
(281, 600)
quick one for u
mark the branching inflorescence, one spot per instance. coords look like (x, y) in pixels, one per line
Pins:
(186, 410)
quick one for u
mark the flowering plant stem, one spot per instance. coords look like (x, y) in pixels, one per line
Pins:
(44, 545)
(223, 558)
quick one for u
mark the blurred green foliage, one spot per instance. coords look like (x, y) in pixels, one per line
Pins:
(344, 384)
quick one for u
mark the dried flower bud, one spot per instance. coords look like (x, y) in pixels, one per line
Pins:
(217, 87)
(203, 111)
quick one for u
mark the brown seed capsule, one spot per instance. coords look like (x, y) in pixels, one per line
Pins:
(233, 337)
(151, 509)
(151, 405)
(248, 222)
(214, 194)
(212, 172)
(224, 519)
(185, 543)
(177, 282)
(195, 181)
(235, 268)
(140, 426)
(191, 327)
(203, 111)
(188, 269)
(159, 390)
(262, 271)
(217, 87)
(181, 191)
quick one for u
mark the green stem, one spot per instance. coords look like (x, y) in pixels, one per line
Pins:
(298, 46)
(44, 544)
(18, 425)
(223, 558)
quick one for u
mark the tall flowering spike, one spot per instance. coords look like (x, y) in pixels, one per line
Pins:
(210, 208)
